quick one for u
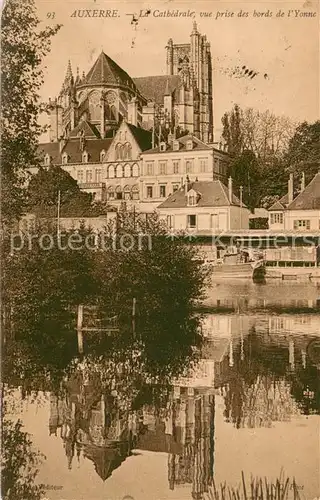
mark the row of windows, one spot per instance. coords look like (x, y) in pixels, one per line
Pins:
(277, 218)
(126, 193)
(178, 167)
(191, 221)
(163, 192)
(114, 171)
(90, 176)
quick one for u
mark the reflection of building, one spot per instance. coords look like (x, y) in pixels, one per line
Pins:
(194, 465)
(92, 426)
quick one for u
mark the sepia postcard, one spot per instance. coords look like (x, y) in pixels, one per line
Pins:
(160, 249)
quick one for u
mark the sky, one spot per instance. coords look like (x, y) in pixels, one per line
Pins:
(283, 51)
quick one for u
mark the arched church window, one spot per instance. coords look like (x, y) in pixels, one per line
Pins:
(110, 193)
(103, 155)
(111, 173)
(135, 192)
(64, 158)
(127, 170)
(135, 170)
(128, 151)
(127, 192)
(119, 152)
(118, 192)
(119, 171)
(111, 113)
(94, 106)
(85, 157)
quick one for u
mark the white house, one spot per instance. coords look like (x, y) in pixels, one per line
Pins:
(164, 168)
(301, 213)
(204, 207)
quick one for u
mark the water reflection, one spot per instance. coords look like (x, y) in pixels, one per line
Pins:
(123, 403)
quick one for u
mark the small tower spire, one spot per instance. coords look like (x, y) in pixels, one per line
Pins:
(195, 29)
(78, 75)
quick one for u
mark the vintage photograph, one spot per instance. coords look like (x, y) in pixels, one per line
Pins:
(160, 250)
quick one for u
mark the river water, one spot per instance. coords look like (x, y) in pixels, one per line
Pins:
(250, 403)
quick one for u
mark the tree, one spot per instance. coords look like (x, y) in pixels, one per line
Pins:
(232, 132)
(245, 171)
(19, 464)
(24, 47)
(43, 189)
(303, 153)
(257, 143)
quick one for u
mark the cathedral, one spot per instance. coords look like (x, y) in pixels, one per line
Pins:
(107, 95)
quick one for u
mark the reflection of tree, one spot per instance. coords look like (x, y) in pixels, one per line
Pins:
(265, 385)
(19, 464)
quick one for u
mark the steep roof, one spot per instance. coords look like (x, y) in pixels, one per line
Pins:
(309, 198)
(89, 130)
(106, 71)
(50, 148)
(105, 460)
(72, 147)
(211, 194)
(142, 136)
(156, 87)
(197, 145)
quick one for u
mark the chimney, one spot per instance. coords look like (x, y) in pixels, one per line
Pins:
(186, 186)
(171, 138)
(303, 182)
(290, 189)
(230, 189)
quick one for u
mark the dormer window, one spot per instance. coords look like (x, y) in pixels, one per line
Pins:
(192, 198)
(102, 155)
(84, 157)
(175, 145)
(163, 146)
(189, 144)
(47, 160)
(64, 158)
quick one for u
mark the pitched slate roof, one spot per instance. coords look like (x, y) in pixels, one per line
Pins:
(106, 71)
(88, 129)
(309, 198)
(50, 148)
(212, 194)
(142, 136)
(197, 145)
(72, 147)
(155, 87)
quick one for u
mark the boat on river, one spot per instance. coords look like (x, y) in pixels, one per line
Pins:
(235, 265)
